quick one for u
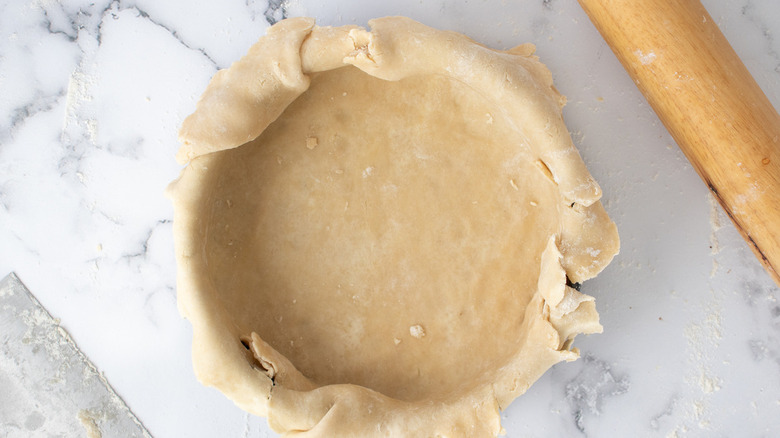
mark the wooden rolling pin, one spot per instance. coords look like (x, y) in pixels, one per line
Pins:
(709, 102)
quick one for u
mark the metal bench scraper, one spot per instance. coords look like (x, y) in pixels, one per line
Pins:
(48, 387)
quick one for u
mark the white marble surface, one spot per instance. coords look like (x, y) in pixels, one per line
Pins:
(91, 96)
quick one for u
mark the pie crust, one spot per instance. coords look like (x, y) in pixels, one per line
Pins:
(374, 230)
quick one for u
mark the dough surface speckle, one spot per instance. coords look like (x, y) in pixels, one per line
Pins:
(417, 331)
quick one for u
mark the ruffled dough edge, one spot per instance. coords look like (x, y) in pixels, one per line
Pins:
(240, 102)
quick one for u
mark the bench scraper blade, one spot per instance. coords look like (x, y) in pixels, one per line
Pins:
(47, 386)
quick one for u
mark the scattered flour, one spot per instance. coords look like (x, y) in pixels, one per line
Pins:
(645, 58)
(703, 339)
(77, 118)
(715, 226)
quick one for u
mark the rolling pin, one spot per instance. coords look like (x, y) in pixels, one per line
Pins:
(709, 102)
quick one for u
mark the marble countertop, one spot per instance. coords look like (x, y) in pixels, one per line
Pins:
(92, 94)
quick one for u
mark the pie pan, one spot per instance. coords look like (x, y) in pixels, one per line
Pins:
(377, 230)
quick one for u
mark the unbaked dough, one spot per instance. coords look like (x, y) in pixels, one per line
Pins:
(374, 230)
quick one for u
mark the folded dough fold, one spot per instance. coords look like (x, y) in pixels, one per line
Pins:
(241, 101)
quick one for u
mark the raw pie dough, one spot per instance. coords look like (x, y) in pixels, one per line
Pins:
(375, 229)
